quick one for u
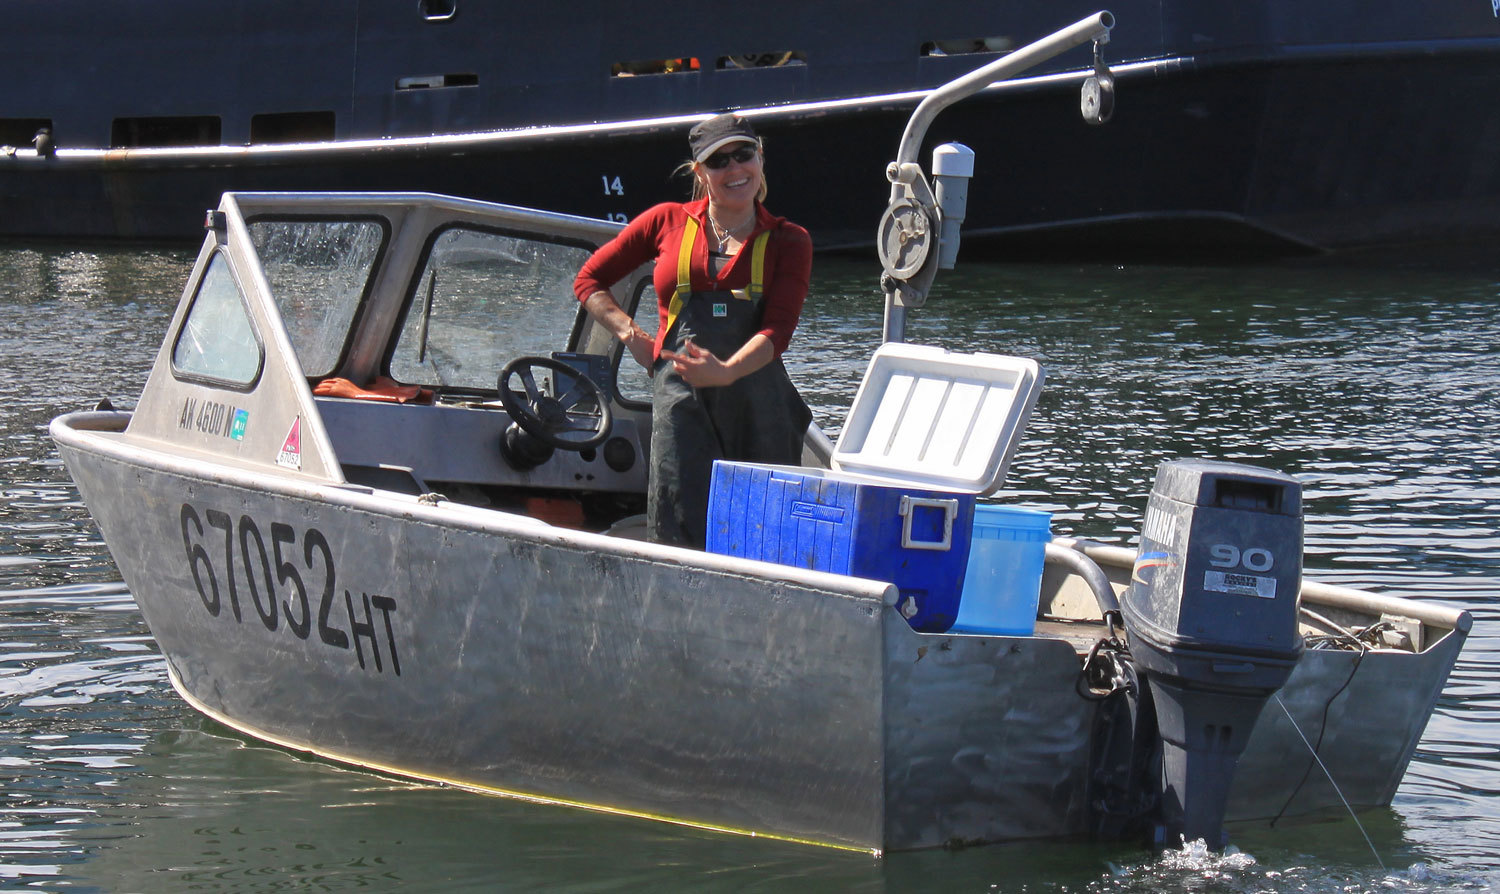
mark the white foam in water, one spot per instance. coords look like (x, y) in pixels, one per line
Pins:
(1196, 855)
(1194, 867)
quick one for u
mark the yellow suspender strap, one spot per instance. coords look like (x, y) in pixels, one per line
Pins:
(758, 265)
(752, 292)
(757, 286)
(684, 275)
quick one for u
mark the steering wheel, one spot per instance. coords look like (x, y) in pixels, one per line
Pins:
(556, 421)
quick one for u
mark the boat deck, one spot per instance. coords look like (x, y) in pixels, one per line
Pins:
(1081, 634)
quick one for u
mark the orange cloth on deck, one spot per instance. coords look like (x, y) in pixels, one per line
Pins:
(381, 388)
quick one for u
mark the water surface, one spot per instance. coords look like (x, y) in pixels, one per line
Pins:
(1374, 382)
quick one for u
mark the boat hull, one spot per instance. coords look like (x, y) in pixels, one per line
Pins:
(507, 659)
(490, 651)
(1250, 156)
(1244, 128)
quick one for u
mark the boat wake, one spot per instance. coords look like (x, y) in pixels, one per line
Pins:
(1197, 867)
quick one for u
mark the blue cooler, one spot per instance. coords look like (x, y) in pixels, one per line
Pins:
(1003, 578)
(847, 524)
(928, 431)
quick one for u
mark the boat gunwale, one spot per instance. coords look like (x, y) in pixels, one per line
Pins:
(89, 431)
(1210, 60)
(85, 430)
(762, 114)
(1433, 614)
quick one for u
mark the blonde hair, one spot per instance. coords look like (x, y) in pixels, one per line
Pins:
(690, 168)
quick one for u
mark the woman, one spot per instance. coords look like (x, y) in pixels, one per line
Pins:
(730, 281)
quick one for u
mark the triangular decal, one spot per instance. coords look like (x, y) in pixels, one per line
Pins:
(291, 449)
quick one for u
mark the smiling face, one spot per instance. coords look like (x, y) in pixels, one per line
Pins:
(734, 187)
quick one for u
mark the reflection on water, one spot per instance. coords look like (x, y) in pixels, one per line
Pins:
(1377, 386)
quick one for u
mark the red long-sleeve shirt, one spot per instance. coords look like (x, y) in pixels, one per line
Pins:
(657, 233)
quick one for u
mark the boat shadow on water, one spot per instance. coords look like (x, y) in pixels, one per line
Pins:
(216, 808)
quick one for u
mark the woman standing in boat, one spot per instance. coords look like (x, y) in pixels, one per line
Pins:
(730, 280)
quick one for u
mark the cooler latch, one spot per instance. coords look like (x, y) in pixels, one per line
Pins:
(909, 505)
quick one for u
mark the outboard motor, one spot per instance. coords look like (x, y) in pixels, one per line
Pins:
(1211, 621)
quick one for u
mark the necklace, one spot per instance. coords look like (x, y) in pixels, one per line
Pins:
(726, 234)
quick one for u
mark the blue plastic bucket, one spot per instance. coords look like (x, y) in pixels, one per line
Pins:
(1003, 580)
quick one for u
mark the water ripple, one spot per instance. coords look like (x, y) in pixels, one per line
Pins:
(1378, 390)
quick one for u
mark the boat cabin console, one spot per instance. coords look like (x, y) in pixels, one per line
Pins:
(367, 345)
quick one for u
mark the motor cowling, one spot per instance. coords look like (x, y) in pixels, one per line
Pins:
(1211, 621)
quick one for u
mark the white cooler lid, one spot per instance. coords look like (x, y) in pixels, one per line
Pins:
(932, 418)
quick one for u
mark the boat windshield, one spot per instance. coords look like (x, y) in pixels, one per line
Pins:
(483, 299)
(318, 271)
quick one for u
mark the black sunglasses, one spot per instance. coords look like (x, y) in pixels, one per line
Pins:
(722, 158)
